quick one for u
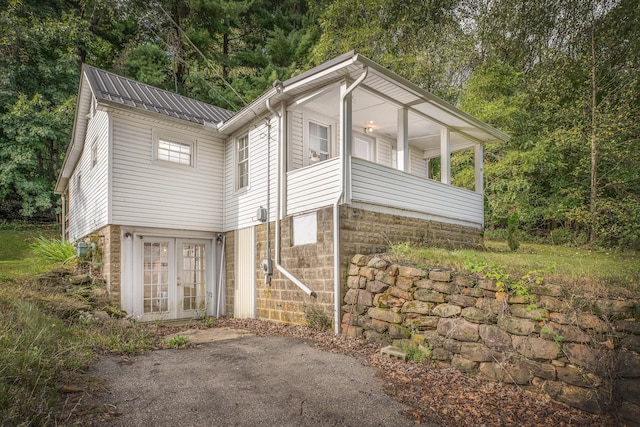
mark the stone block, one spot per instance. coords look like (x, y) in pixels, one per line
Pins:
(359, 296)
(404, 283)
(398, 331)
(628, 364)
(628, 326)
(386, 300)
(385, 315)
(411, 272)
(631, 342)
(384, 277)
(452, 345)
(476, 315)
(546, 289)
(542, 370)
(535, 348)
(461, 300)
(495, 338)
(393, 269)
(577, 397)
(458, 329)
(630, 412)
(376, 287)
(428, 296)
(477, 352)
(492, 371)
(440, 275)
(352, 331)
(563, 318)
(441, 354)
(352, 319)
(378, 263)
(491, 305)
(593, 322)
(379, 326)
(353, 270)
(368, 273)
(422, 322)
(360, 260)
(629, 390)
(516, 325)
(423, 284)
(550, 303)
(446, 310)
(462, 364)
(462, 280)
(575, 376)
(613, 309)
(444, 287)
(472, 292)
(399, 293)
(356, 282)
(593, 360)
(419, 307)
(564, 333)
(528, 312)
(488, 284)
(377, 337)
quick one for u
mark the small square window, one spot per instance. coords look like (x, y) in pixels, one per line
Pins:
(175, 152)
(242, 162)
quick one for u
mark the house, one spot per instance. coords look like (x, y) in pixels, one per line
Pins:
(199, 210)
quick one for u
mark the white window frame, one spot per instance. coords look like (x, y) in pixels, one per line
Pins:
(238, 162)
(331, 137)
(372, 145)
(160, 137)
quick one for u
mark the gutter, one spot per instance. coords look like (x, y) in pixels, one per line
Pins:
(279, 266)
(336, 205)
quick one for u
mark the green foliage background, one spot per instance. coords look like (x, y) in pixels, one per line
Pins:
(560, 76)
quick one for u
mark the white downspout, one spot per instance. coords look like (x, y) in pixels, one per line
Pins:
(280, 268)
(344, 131)
(63, 196)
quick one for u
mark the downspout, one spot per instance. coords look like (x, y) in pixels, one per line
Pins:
(280, 173)
(63, 197)
(223, 240)
(336, 205)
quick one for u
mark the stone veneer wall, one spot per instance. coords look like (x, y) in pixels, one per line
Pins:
(109, 244)
(587, 357)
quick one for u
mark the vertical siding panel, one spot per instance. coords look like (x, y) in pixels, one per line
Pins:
(418, 166)
(295, 139)
(244, 295)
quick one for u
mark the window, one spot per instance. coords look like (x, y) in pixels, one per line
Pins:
(94, 153)
(305, 229)
(174, 152)
(363, 147)
(242, 162)
(319, 142)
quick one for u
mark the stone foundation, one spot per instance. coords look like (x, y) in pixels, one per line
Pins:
(586, 357)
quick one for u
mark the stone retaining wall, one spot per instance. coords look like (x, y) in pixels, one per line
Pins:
(584, 353)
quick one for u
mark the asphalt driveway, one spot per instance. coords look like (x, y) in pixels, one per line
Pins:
(245, 380)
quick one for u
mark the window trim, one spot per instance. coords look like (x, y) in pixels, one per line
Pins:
(331, 136)
(372, 147)
(237, 162)
(173, 138)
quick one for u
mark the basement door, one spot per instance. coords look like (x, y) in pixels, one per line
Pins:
(245, 280)
(174, 278)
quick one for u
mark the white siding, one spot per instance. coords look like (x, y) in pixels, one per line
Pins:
(372, 183)
(88, 209)
(295, 140)
(417, 164)
(162, 194)
(241, 206)
(245, 263)
(383, 152)
(313, 187)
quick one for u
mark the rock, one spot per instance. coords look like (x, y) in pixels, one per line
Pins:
(393, 269)
(628, 326)
(440, 275)
(477, 352)
(378, 263)
(462, 364)
(546, 289)
(428, 295)
(385, 315)
(452, 345)
(528, 312)
(359, 296)
(464, 281)
(550, 303)
(444, 287)
(574, 376)
(563, 318)
(476, 315)
(441, 354)
(616, 309)
(353, 270)
(356, 282)
(423, 284)
(518, 373)
(458, 329)
(379, 326)
(377, 337)
(629, 390)
(398, 331)
(461, 300)
(419, 307)
(360, 260)
(384, 277)
(542, 370)
(80, 279)
(472, 292)
(594, 360)
(495, 338)
(535, 348)
(404, 283)
(399, 293)
(376, 287)
(593, 322)
(352, 319)
(488, 285)
(631, 414)
(422, 322)
(368, 273)
(516, 326)
(491, 305)
(446, 310)
(631, 342)
(577, 397)
(357, 308)
(564, 333)
(628, 364)
(352, 331)
(101, 315)
(411, 272)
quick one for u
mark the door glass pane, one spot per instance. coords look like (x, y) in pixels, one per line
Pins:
(193, 276)
(156, 277)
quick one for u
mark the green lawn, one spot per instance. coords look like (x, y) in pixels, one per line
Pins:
(16, 259)
(594, 270)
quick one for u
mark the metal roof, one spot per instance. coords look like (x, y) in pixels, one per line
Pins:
(114, 88)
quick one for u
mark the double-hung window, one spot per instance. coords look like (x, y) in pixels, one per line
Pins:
(319, 142)
(242, 162)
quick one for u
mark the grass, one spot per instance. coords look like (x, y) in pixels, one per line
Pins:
(604, 272)
(48, 335)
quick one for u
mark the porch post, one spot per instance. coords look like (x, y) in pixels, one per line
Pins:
(478, 167)
(346, 131)
(445, 156)
(402, 143)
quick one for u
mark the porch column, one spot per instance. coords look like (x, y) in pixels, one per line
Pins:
(478, 167)
(402, 143)
(445, 156)
(346, 131)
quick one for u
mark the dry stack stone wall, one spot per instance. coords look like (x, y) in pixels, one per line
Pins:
(582, 352)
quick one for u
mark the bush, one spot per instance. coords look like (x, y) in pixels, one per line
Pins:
(54, 250)
(512, 232)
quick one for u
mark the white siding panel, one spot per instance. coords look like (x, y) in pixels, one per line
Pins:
(161, 194)
(383, 152)
(88, 204)
(372, 183)
(244, 295)
(240, 206)
(418, 165)
(295, 139)
(313, 187)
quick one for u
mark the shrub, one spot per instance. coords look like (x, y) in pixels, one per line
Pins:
(512, 232)
(316, 317)
(53, 250)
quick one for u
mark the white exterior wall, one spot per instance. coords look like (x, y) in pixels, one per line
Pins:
(382, 186)
(313, 187)
(383, 152)
(417, 163)
(161, 194)
(88, 204)
(241, 205)
(295, 120)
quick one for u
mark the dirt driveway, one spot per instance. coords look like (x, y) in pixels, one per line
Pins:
(245, 380)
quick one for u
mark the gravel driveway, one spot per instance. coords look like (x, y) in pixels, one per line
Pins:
(246, 381)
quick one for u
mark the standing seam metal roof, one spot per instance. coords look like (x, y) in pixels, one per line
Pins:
(121, 90)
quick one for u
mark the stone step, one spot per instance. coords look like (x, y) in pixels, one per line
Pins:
(393, 351)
